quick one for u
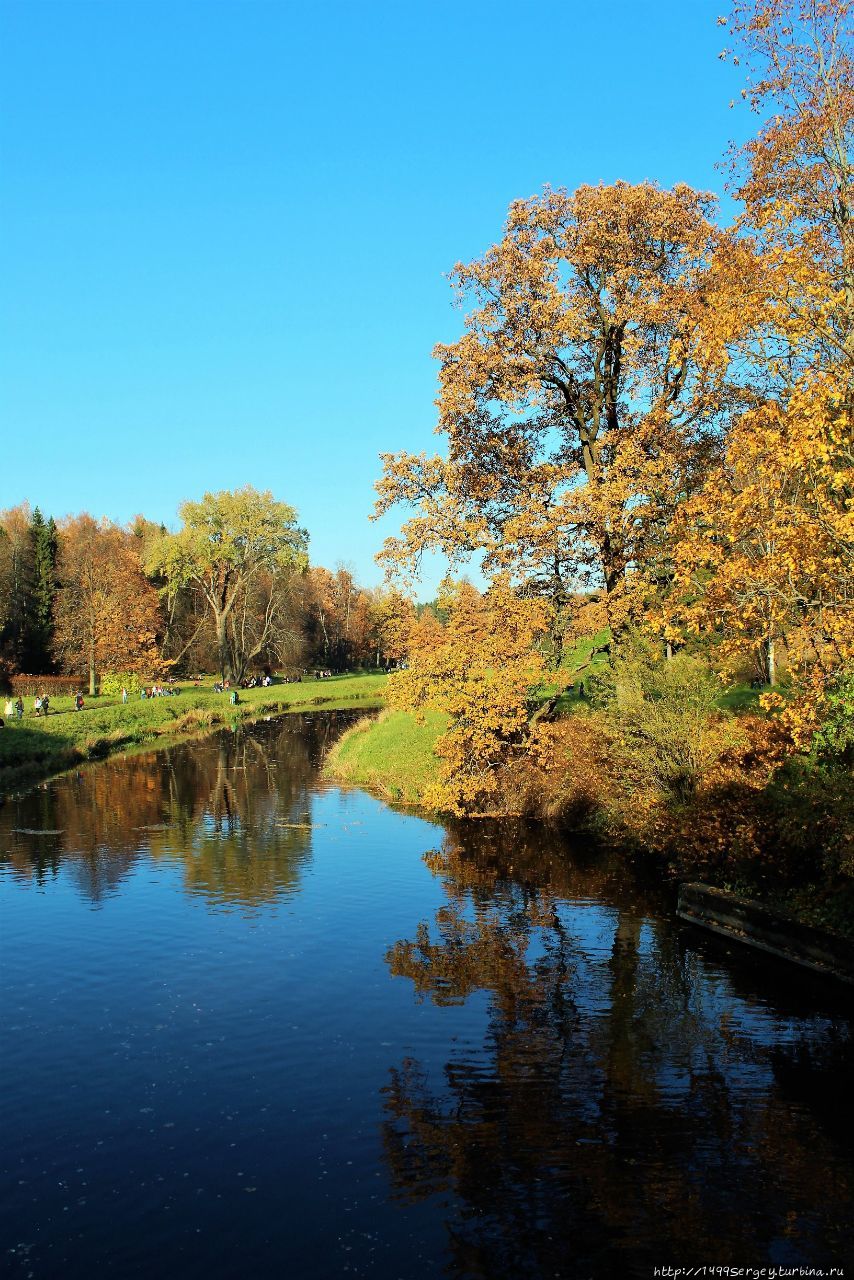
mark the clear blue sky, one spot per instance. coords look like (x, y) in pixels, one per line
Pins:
(226, 223)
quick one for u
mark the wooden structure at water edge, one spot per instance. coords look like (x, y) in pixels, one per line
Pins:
(743, 920)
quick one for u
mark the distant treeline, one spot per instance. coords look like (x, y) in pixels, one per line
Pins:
(232, 591)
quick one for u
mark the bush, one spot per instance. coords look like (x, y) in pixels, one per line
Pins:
(835, 737)
(112, 682)
(55, 686)
(664, 718)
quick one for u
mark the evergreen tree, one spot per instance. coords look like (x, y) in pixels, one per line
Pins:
(43, 536)
(16, 586)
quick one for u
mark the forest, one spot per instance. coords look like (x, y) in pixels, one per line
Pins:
(231, 593)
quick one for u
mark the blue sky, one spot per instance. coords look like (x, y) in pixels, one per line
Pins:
(225, 224)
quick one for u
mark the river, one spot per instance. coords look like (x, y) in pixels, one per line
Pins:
(255, 1025)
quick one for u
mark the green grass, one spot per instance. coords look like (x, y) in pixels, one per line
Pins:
(584, 656)
(32, 748)
(740, 697)
(391, 754)
(579, 655)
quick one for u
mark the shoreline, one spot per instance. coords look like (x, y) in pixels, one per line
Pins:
(391, 757)
(111, 728)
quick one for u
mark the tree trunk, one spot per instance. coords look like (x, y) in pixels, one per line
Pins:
(771, 660)
(92, 675)
(222, 647)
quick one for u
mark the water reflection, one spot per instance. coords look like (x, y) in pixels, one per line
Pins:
(630, 1106)
(580, 1088)
(232, 810)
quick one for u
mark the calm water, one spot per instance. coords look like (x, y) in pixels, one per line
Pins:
(257, 1026)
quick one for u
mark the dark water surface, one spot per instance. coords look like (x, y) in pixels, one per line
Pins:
(257, 1026)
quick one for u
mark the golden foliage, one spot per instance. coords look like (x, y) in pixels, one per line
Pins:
(766, 551)
(106, 612)
(575, 403)
(479, 669)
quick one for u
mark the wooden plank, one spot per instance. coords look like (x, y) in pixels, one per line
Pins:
(774, 932)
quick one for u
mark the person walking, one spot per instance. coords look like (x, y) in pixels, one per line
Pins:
(124, 697)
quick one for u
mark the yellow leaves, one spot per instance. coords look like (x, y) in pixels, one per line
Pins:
(597, 341)
(479, 669)
(774, 562)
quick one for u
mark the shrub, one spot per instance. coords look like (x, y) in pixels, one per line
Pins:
(835, 735)
(25, 686)
(664, 718)
(112, 682)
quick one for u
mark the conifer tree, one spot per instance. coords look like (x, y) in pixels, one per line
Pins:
(43, 537)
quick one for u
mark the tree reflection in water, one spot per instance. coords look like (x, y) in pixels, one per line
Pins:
(234, 810)
(633, 1105)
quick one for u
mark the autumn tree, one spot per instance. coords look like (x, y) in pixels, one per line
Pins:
(266, 623)
(480, 669)
(795, 178)
(234, 547)
(106, 612)
(592, 366)
(766, 550)
(391, 618)
(335, 618)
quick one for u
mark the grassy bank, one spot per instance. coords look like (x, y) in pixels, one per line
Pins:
(34, 748)
(390, 754)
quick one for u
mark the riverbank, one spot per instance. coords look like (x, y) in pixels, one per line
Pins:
(35, 748)
(391, 755)
(782, 844)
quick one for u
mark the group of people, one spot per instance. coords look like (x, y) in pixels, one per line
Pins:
(14, 709)
(256, 682)
(41, 703)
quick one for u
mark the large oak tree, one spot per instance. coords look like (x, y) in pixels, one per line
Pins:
(578, 402)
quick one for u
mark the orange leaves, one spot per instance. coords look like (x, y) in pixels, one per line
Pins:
(391, 618)
(106, 612)
(649, 406)
(593, 357)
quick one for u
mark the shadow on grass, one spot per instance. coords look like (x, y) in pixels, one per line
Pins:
(28, 753)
